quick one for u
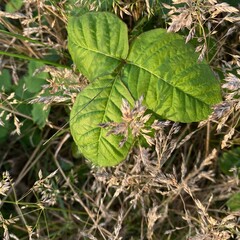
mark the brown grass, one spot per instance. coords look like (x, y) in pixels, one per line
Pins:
(169, 188)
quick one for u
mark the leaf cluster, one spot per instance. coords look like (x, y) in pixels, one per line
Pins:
(157, 65)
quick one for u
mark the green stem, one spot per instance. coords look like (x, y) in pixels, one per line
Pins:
(18, 36)
(21, 56)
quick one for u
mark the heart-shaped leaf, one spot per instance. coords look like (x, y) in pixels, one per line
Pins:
(159, 66)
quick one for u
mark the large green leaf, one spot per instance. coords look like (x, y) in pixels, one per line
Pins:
(165, 70)
(97, 42)
(98, 103)
(159, 66)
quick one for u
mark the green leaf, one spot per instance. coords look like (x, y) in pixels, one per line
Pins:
(234, 202)
(234, 3)
(230, 160)
(34, 81)
(39, 114)
(165, 70)
(100, 102)
(97, 42)
(13, 5)
(159, 66)
(5, 82)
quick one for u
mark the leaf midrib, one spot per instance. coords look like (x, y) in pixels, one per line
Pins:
(104, 115)
(159, 77)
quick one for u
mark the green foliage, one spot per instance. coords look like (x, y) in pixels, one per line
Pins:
(28, 87)
(159, 66)
(234, 3)
(32, 80)
(234, 202)
(83, 201)
(5, 86)
(230, 160)
(175, 86)
(5, 83)
(101, 49)
(100, 102)
(13, 5)
(39, 114)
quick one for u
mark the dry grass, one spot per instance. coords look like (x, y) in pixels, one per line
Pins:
(170, 187)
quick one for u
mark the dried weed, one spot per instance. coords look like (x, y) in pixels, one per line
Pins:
(170, 188)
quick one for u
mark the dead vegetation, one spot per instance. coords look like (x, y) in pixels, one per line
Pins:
(170, 187)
